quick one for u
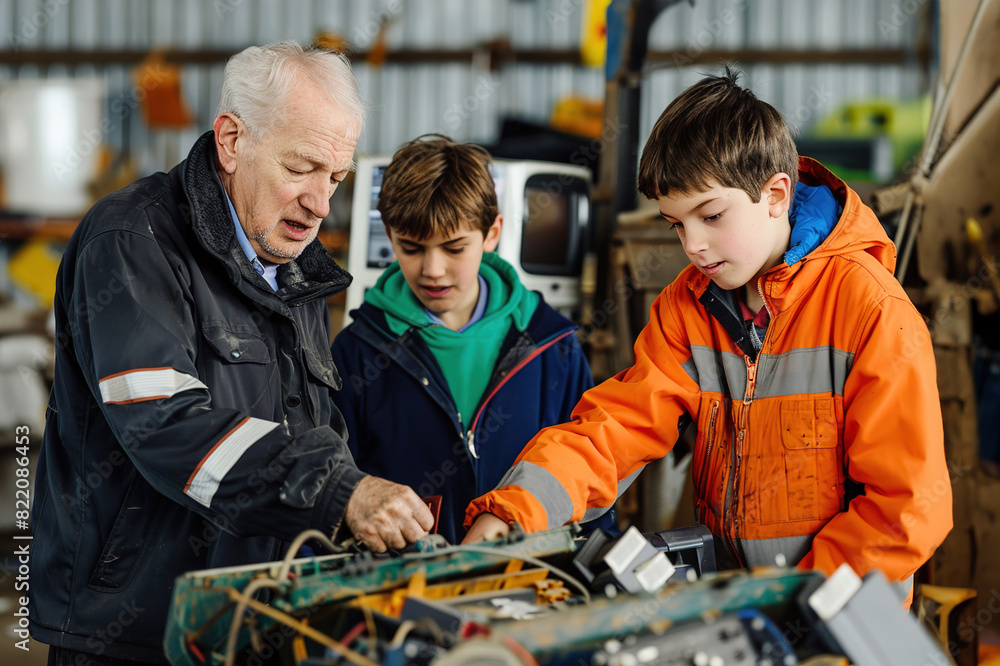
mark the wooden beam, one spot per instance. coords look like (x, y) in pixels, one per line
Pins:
(499, 53)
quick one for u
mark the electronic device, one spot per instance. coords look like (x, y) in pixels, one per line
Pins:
(739, 638)
(859, 617)
(546, 212)
(692, 546)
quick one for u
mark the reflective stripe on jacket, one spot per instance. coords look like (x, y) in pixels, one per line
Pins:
(825, 447)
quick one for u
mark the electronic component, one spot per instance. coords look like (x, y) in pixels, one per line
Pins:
(861, 618)
(631, 563)
(441, 604)
(687, 547)
(744, 638)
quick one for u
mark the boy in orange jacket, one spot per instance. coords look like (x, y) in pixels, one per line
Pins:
(808, 370)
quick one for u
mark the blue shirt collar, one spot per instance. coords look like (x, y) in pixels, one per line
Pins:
(477, 313)
(268, 272)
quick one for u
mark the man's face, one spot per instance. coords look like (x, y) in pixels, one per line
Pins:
(443, 270)
(281, 186)
(726, 235)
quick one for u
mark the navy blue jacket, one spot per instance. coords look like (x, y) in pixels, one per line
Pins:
(403, 424)
(190, 425)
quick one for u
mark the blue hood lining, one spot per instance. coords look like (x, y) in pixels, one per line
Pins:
(813, 215)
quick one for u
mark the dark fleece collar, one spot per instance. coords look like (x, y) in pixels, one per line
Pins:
(213, 225)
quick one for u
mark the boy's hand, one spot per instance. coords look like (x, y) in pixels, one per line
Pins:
(487, 527)
(382, 514)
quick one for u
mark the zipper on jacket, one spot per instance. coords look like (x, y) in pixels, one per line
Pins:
(728, 505)
(471, 434)
(751, 385)
(734, 522)
(470, 438)
(710, 436)
(733, 531)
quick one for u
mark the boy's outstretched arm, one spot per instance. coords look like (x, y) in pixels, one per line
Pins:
(486, 527)
(894, 446)
(575, 471)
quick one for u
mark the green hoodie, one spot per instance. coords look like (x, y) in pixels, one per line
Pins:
(466, 359)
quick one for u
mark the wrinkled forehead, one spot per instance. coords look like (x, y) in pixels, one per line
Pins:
(307, 105)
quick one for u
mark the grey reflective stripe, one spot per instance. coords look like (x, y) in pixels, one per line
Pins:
(717, 372)
(212, 469)
(147, 384)
(546, 488)
(598, 511)
(691, 368)
(803, 371)
(762, 552)
(796, 372)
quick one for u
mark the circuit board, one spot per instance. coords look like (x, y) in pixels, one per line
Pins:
(520, 601)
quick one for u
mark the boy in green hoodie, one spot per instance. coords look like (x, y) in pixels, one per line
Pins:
(451, 366)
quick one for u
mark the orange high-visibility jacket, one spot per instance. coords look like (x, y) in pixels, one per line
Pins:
(826, 446)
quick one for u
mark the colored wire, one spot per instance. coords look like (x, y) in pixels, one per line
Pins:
(355, 631)
(525, 558)
(286, 564)
(244, 600)
(372, 631)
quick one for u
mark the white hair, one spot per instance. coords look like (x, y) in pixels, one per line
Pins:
(259, 79)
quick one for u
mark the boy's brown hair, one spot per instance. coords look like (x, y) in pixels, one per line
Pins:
(717, 130)
(434, 185)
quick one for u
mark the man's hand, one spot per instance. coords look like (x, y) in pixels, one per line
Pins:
(383, 514)
(487, 527)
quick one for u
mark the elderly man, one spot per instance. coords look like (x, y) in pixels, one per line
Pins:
(191, 423)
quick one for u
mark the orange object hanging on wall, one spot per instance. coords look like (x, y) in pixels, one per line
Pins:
(158, 88)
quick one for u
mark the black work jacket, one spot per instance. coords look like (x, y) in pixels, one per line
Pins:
(191, 423)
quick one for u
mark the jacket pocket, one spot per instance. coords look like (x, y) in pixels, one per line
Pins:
(808, 482)
(322, 367)
(236, 344)
(126, 542)
(241, 373)
(322, 379)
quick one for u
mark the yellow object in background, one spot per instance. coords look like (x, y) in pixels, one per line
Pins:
(594, 42)
(951, 614)
(904, 122)
(577, 115)
(33, 269)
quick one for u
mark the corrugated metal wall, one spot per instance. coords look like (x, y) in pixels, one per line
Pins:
(465, 100)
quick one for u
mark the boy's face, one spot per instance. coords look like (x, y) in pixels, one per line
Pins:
(726, 235)
(443, 270)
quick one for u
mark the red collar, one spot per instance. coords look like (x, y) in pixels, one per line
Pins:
(759, 319)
